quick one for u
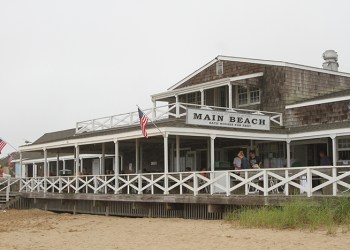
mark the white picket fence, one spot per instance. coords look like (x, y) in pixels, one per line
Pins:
(307, 181)
(172, 110)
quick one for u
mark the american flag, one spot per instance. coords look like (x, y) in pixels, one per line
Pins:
(143, 122)
(2, 145)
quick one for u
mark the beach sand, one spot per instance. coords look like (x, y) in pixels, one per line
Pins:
(35, 229)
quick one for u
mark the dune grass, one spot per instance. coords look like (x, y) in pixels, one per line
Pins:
(297, 214)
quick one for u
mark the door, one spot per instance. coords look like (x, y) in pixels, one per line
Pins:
(191, 160)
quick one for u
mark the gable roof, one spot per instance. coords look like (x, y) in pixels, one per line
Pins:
(55, 136)
(257, 61)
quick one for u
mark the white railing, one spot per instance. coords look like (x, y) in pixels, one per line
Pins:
(307, 181)
(172, 110)
(7, 184)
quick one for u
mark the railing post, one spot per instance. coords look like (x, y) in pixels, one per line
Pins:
(334, 175)
(266, 182)
(59, 184)
(309, 182)
(180, 179)
(286, 186)
(45, 170)
(139, 191)
(246, 187)
(195, 184)
(8, 189)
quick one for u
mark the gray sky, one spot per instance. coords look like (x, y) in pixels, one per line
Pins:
(69, 60)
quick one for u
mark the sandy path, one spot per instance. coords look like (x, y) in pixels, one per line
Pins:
(36, 229)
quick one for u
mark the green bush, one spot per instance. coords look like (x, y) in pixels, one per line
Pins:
(296, 214)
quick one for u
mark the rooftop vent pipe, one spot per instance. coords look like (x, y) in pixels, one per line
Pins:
(331, 60)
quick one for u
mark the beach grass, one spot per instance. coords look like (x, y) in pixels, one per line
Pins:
(297, 214)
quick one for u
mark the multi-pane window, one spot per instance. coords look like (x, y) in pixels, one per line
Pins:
(254, 94)
(242, 95)
(344, 148)
(219, 68)
(248, 95)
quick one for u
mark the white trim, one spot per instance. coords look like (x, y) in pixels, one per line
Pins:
(203, 86)
(281, 64)
(316, 102)
(258, 61)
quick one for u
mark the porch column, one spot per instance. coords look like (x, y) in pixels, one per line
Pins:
(45, 169)
(202, 97)
(116, 165)
(34, 169)
(177, 153)
(288, 153)
(103, 160)
(334, 149)
(166, 169)
(212, 152)
(57, 163)
(81, 164)
(137, 156)
(177, 107)
(230, 96)
(76, 160)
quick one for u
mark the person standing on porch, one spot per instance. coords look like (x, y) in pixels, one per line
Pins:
(244, 161)
(237, 162)
(324, 159)
(254, 160)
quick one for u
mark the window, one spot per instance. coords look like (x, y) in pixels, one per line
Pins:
(344, 148)
(248, 95)
(242, 95)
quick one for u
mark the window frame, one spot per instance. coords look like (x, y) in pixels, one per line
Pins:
(250, 90)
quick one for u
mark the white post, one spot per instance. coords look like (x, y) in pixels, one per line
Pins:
(212, 152)
(288, 153)
(137, 156)
(334, 149)
(116, 164)
(177, 106)
(57, 163)
(202, 97)
(77, 160)
(103, 160)
(166, 167)
(212, 161)
(230, 96)
(100, 160)
(45, 169)
(178, 153)
(35, 171)
(81, 164)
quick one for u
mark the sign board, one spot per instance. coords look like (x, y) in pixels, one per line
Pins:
(213, 118)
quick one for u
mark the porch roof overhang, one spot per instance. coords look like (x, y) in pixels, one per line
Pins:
(204, 86)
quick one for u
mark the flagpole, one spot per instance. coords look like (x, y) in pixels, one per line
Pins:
(10, 145)
(151, 121)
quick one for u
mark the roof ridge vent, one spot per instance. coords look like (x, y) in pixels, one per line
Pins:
(331, 60)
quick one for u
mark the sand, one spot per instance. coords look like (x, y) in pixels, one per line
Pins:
(35, 229)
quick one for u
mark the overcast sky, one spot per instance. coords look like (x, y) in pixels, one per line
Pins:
(69, 60)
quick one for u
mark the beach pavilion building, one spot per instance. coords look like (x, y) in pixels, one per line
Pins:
(286, 112)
